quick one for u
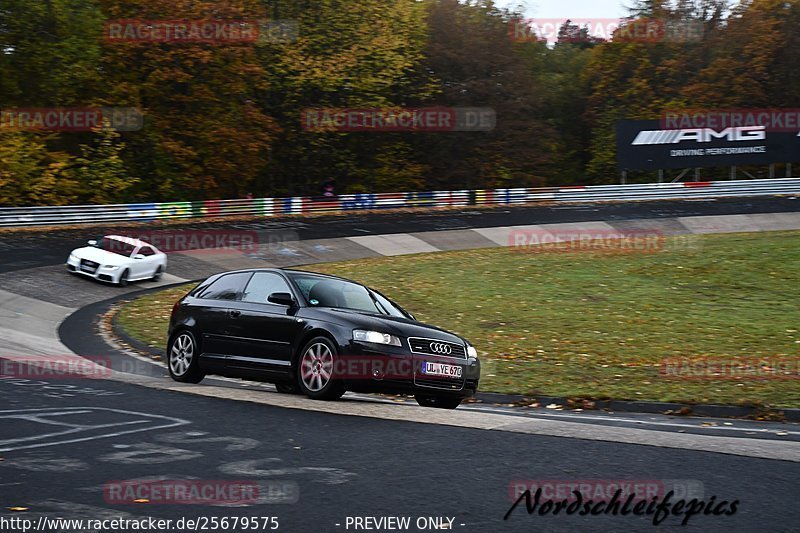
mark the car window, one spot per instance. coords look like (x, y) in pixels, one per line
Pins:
(228, 287)
(262, 284)
(115, 246)
(356, 298)
(146, 251)
(327, 292)
(388, 307)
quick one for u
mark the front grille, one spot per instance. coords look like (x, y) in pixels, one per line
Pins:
(89, 266)
(435, 347)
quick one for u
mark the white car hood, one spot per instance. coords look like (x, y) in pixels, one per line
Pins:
(101, 256)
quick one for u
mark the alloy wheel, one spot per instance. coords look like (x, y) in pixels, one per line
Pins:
(181, 354)
(316, 367)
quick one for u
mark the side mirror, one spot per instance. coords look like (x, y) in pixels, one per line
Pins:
(138, 256)
(281, 298)
(92, 242)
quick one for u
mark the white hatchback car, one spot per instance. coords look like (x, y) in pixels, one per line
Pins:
(118, 259)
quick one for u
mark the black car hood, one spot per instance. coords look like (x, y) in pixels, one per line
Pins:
(402, 327)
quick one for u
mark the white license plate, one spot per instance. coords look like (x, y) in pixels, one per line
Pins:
(439, 369)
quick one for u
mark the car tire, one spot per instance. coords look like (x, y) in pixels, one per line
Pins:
(157, 273)
(182, 354)
(123, 278)
(439, 402)
(315, 370)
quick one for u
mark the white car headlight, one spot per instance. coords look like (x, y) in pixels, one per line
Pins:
(472, 352)
(110, 267)
(375, 337)
(73, 257)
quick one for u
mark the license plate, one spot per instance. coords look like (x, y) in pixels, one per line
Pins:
(439, 369)
(87, 269)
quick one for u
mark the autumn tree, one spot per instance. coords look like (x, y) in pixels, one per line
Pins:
(204, 133)
(223, 118)
(753, 62)
(99, 174)
(475, 64)
(633, 78)
(362, 54)
(30, 174)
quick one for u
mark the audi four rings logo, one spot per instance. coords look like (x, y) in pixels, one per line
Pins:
(440, 347)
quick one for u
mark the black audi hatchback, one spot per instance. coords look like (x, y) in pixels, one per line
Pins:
(316, 335)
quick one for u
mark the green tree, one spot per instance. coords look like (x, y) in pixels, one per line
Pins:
(205, 136)
(49, 52)
(641, 80)
(364, 54)
(29, 173)
(99, 174)
(753, 62)
(475, 63)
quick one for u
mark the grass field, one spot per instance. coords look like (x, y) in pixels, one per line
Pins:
(594, 325)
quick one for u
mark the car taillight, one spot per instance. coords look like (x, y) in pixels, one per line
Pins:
(175, 307)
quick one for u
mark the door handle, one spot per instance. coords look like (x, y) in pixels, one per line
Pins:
(234, 313)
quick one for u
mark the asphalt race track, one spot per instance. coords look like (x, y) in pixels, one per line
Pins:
(319, 466)
(328, 467)
(33, 248)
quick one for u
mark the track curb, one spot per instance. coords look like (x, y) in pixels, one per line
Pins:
(627, 406)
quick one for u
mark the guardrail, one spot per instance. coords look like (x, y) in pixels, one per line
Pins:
(267, 207)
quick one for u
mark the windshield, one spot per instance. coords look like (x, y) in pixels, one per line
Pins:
(327, 292)
(115, 246)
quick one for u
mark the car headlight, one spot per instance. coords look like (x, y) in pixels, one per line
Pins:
(471, 351)
(73, 257)
(110, 267)
(375, 337)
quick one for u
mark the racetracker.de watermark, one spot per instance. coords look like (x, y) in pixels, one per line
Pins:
(645, 30)
(428, 119)
(71, 119)
(170, 241)
(596, 240)
(56, 366)
(378, 367)
(731, 368)
(199, 492)
(604, 489)
(771, 120)
(206, 31)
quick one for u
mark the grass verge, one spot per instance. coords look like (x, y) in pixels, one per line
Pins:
(594, 325)
(146, 318)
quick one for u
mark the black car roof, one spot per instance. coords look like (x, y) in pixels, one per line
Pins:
(292, 271)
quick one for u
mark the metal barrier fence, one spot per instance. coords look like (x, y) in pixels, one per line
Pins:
(267, 207)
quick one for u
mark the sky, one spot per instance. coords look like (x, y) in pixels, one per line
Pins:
(575, 9)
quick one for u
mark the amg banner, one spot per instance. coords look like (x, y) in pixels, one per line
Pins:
(647, 145)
